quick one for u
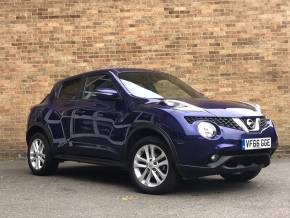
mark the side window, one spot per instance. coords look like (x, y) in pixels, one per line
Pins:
(93, 83)
(70, 89)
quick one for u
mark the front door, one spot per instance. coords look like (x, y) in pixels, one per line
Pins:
(96, 120)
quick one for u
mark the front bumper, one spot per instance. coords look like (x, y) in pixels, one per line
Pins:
(194, 152)
(227, 164)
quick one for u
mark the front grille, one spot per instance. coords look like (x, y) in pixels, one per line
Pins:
(263, 122)
(220, 121)
(225, 121)
(268, 151)
(248, 160)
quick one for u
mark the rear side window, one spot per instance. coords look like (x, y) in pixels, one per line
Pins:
(71, 89)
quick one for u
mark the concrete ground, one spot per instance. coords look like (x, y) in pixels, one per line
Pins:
(81, 190)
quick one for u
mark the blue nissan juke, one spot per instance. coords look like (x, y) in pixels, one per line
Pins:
(150, 123)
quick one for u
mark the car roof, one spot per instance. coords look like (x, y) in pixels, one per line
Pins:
(116, 71)
(135, 70)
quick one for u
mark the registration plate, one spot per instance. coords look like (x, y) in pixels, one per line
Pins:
(256, 143)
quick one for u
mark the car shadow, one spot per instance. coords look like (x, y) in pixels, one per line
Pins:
(96, 174)
(117, 177)
(213, 185)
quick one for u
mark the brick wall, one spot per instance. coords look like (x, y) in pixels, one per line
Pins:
(227, 49)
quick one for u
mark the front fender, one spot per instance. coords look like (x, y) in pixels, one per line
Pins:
(156, 129)
(160, 122)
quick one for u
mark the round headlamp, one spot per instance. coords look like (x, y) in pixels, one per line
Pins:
(207, 130)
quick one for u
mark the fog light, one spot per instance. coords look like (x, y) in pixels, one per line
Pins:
(214, 157)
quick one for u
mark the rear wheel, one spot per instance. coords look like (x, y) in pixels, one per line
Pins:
(39, 156)
(241, 177)
(151, 166)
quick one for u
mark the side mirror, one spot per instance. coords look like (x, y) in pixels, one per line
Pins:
(106, 94)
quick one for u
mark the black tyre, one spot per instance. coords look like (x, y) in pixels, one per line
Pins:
(151, 166)
(39, 156)
(241, 177)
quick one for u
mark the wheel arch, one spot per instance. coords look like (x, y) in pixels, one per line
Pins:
(37, 129)
(146, 130)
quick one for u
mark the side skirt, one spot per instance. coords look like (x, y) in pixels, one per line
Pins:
(91, 160)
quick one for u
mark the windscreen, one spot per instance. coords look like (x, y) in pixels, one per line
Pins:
(157, 85)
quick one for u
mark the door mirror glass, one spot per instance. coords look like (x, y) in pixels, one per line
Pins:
(106, 93)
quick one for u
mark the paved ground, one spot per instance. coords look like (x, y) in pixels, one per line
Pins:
(80, 190)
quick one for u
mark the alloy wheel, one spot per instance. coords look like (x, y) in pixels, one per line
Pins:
(151, 165)
(37, 156)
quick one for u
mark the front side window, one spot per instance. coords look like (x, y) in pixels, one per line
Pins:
(93, 83)
(157, 85)
(70, 89)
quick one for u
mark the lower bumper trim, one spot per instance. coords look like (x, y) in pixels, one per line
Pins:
(226, 164)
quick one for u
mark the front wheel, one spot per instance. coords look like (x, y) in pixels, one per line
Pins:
(241, 177)
(151, 166)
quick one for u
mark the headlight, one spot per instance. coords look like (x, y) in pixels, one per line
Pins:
(206, 130)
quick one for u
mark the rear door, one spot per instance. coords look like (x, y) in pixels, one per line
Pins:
(60, 119)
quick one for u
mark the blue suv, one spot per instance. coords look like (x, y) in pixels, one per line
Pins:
(150, 123)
